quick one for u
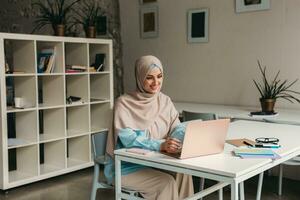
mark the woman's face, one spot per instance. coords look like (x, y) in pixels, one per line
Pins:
(153, 81)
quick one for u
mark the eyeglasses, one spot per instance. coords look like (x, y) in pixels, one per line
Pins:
(267, 140)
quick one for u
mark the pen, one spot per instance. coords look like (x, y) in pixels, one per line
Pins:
(247, 143)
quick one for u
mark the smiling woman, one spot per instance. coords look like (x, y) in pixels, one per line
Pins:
(144, 119)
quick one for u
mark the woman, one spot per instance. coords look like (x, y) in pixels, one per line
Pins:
(145, 118)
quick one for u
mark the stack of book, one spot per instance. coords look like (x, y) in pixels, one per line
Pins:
(75, 68)
(46, 60)
(255, 153)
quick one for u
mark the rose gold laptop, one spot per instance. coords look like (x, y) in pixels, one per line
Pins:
(203, 138)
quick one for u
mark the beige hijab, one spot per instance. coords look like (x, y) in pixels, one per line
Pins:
(154, 113)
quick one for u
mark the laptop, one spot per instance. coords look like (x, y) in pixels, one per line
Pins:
(203, 138)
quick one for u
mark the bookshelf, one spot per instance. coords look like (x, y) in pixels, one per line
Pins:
(50, 134)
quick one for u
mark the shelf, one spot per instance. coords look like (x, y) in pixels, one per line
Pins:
(20, 55)
(52, 124)
(51, 90)
(17, 75)
(100, 49)
(43, 106)
(25, 163)
(76, 54)
(99, 86)
(13, 110)
(77, 86)
(17, 143)
(97, 129)
(47, 136)
(77, 120)
(75, 157)
(50, 74)
(57, 48)
(23, 126)
(24, 87)
(52, 156)
(96, 101)
(101, 116)
(50, 137)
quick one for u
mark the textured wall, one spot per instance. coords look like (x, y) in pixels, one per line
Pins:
(17, 16)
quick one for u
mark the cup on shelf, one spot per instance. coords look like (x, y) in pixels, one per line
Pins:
(20, 102)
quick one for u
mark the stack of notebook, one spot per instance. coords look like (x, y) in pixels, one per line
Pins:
(255, 153)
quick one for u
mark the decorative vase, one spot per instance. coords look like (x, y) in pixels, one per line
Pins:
(59, 30)
(91, 32)
(267, 105)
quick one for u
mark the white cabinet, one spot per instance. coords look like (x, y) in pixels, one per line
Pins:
(49, 134)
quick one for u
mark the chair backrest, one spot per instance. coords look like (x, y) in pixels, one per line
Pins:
(188, 116)
(99, 143)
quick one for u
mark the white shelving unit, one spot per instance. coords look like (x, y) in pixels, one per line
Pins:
(49, 136)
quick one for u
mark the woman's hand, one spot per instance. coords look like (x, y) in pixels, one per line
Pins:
(171, 145)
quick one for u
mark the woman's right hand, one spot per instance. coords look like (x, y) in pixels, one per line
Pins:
(171, 145)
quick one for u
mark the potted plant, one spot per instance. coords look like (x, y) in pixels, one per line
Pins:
(54, 13)
(272, 90)
(87, 16)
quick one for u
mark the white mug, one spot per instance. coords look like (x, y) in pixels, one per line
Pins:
(19, 102)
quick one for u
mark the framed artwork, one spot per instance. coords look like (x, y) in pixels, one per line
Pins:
(149, 21)
(198, 25)
(251, 5)
(147, 1)
(101, 27)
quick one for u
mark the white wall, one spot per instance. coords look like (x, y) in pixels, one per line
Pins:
(220, 71)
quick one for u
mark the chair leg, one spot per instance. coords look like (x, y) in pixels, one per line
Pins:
(280, 180)
(201, 185)
(259, 186)
(242, 192)
(95, 182)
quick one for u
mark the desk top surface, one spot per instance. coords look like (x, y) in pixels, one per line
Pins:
(285, 116)
(225, 163)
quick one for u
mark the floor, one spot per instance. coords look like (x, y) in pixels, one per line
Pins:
(77, 186)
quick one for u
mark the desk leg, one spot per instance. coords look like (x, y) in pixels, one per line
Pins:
(220, 194)
(242, 191)
(259, 187)
(234, 191)
(118, 178)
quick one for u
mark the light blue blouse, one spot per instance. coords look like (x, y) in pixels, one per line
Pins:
(129, 138)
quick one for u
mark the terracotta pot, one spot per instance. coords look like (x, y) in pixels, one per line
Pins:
(267, 105)
(91, 32)
(59, 30)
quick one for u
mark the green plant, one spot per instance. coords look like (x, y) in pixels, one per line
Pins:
(276, 88)
(88, 14)
(53, 12)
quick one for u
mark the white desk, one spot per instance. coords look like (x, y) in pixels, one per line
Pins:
(285, 116)
(224, 167)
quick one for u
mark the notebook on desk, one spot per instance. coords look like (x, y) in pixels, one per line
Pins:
(203, 138)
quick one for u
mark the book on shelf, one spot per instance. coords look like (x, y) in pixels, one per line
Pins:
(76, 68)
(46, 60)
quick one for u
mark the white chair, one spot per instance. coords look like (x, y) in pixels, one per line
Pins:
(99, 147)
(294, 161)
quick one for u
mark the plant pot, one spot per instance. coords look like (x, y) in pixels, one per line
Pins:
(267, 105)
(59, 30)
(91, 32)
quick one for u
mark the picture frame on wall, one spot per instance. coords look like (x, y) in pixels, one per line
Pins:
(251, 5)
(149, 21)
(198, 25)
(102, 25)
(142, 2)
